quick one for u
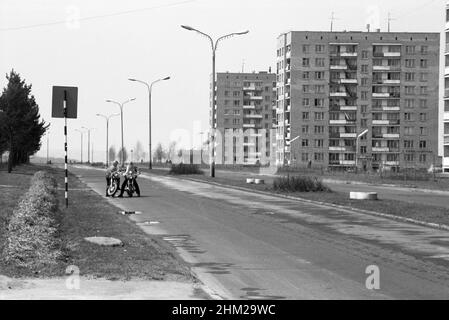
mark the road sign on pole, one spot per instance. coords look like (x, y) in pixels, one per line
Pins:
(64, 105)
(71, 95)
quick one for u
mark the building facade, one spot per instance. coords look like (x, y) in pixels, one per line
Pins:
(357, 99)
(244, 117)
(446, 95)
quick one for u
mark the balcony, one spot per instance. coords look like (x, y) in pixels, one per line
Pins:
(250, 88)
(341, 121)
(338, 94)
(249, 125)
(391, 108)
(381, 122)
(339, 67)
(253, 116)
(348, 135)
(381, 68)
(248, 106)
(348, 81)
(348, 108)
(380, 149)
(391, 81)
(392, 54)
(337, 149)
(381, 95)
(392, 163)
(391, 135)
(446, 139)
(347, 162)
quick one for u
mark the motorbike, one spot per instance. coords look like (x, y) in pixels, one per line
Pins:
(115, 184)
(130, 187)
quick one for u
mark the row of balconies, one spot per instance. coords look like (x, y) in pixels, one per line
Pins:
(386, 95)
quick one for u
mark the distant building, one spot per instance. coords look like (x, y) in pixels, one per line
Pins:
(332, 86)
(446, 96)
(244, 117)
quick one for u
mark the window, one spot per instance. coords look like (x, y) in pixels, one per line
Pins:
(236, 93)
(305, 142)
(409, 63)
(305, 62)
(304, 157)
(422, 131)
(319, 48)
(364, 54)
(318, 102)
(319, 88)
(319, 129)
(364, 95)
(424, 49)
(423, 63)
(319, 75)
(410, 90)
(409, 76)
(409, 157)
(362, 149)
(236, 112)
(319, 143)
(364, 68)
(410, 49)
(363, 108)
(306, 88)
(408, 131)
(319, 115)
(236, 103)
(306, 102)
(423, 76)
(305, 48)
(409, 103)
(422, 103)
(422, 158)
(422, 144)
(319, 62)
(305, 116)
(226, 93)
(408, 144)
(305, 129)
(408, 116)
(364, 81)
(423, 90)
(305, 75)
(318, 157)
(235, 121)
(422, 116)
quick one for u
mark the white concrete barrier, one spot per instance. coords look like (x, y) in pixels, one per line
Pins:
(363, 195)
(249, 180)
(259, 181)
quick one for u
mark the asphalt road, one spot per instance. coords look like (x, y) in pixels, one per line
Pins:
(412, 195)
(252, 246)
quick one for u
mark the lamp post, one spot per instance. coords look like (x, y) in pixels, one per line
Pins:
(81, 132)
(292, 140)
(121, 121)
(107, 133)
(214, 49)
(149, 87)
(88, 143)
(201, 147)
(357, 146)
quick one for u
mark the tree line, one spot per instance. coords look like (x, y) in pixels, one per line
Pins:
(21, 126)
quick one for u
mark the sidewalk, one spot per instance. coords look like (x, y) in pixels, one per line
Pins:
(96, 289)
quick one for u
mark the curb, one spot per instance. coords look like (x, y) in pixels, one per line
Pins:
(362, 211)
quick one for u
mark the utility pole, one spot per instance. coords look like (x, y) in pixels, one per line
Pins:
(389, 20)
(332, 18)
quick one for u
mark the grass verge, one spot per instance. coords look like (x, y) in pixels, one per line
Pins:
(89, 214)
(182, 168)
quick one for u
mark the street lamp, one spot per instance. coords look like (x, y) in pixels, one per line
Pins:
(81, 132)
(292, 140)
(357, 146)
(214, 49)
(149, 87)
(107, 133)
(201, 147)
(88, 143)
(121, 121)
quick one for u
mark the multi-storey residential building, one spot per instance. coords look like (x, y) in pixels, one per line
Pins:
(244, 117)
(365, 99)
(446, 95)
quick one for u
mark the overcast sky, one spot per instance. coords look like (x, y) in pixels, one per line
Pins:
(45, 42)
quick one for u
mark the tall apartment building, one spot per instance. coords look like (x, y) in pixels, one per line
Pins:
(244, 117)
(333, 86)
(446, 95)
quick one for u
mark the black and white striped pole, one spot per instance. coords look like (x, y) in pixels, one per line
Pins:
(66, 180)
(64, 105)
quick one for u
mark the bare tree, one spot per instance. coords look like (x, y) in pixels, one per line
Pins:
(112, 153)
(159, 153)
(171, 150)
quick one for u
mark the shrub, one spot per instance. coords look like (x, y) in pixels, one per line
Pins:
(32, 229)
(182, 168)
(299, 184)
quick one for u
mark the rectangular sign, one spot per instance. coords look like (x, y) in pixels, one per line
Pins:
(71, 94)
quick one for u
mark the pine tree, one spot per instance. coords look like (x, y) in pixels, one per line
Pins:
(21, 128)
